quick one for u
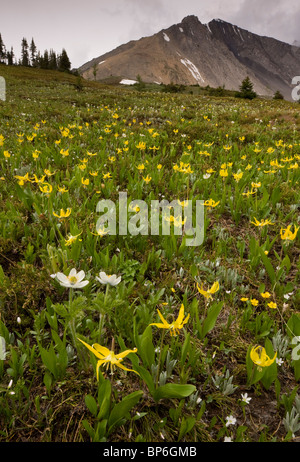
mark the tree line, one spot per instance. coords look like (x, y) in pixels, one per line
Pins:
(32, 57)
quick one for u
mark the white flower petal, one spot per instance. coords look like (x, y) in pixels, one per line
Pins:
(80, 275)
(62, 278)
(79, 285)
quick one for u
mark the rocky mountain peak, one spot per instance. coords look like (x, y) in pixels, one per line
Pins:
(190, 20)
(216, 54)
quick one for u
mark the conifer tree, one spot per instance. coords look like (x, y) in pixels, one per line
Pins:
(33, 51)
(10, 57)
(64, 63)
(52, 60)
(24, 53)
(45, 60)
(246, 89)
(2, 50)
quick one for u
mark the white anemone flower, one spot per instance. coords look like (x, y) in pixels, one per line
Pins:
(74, 280)
(110, 279)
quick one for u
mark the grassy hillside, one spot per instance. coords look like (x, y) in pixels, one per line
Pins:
(228, 366)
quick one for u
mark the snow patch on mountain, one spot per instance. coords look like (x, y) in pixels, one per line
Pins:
(193, 69)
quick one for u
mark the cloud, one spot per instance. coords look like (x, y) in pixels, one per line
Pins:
(278, 19)
(91, 28)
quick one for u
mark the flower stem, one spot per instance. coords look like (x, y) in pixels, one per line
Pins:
(72, 326)
(159, 358)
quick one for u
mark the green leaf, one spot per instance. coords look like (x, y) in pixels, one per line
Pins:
(104, 399)
(294, 325)
(210, 321)
(91, 404)
(270, 372)
(254, 373)
(186, 426)
(146, 376)
(268, 266)
(171, 390)
(2, 275)
(147, 350)
(89, 429)
(121, 409)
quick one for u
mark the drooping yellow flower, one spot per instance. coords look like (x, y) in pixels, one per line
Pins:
(48, 172)
(63, 214)
(100, 232)
(22, 179)
(85, 182)
(287, 235)
(262, 222)
(140, 167)
(147, 179)
(106, 175)
(108, 357)
(293, 166)
(46, 188)
(211, 203)
(238, 176)
(208, 293)
(249, 193)
(36, 154)
(62, 189)
(223, 172)
(259, 356)
(256, 185)
(64, 152)
(71, 239)
(141, 145)
(38, 180)
(174, 326)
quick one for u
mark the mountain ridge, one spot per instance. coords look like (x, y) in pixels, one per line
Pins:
(216, 54)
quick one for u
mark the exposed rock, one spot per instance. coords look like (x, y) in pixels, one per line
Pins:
(215, 54)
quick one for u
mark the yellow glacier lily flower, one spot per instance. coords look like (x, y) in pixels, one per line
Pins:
(46, 188)
(287, 234)
(174, 326)
(63, 214)
(108, 357)
(208, 293)
(71, 239)
(259, 356)
(262, 222)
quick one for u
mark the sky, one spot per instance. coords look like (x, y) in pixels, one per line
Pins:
(89, 28)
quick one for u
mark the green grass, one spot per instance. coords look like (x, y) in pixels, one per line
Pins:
(190, 383)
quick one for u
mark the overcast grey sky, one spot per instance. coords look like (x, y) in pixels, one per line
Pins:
(90, 28)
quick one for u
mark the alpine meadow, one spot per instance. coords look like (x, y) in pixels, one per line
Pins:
(139, 336)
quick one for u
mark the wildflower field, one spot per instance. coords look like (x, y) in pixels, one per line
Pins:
(142, 338)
